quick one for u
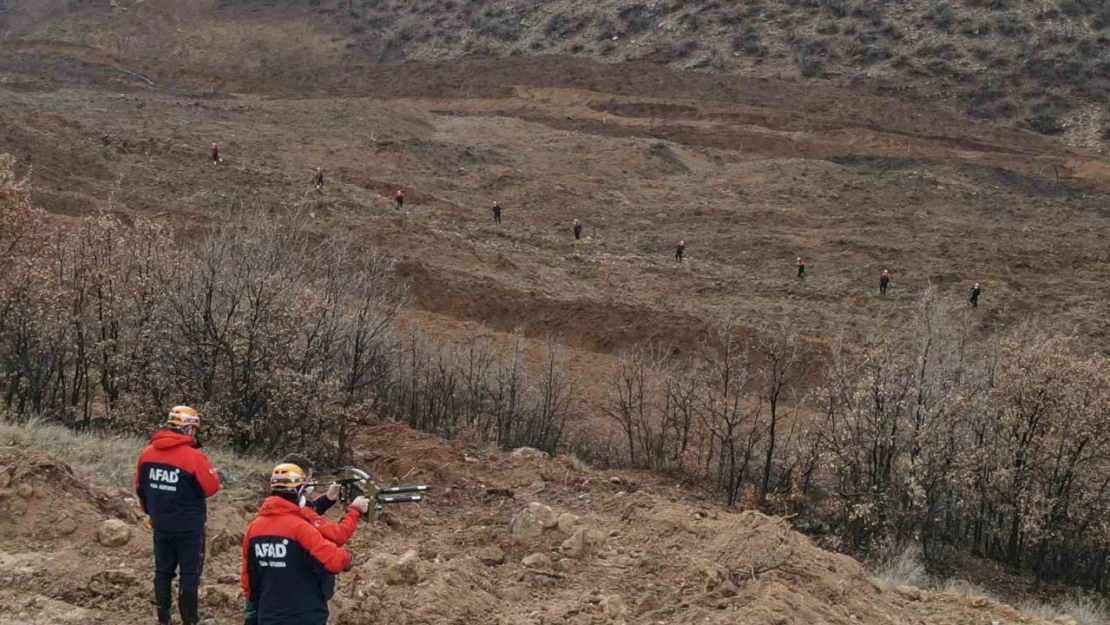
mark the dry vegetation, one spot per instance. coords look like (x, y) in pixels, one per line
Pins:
(1040, 65)
(923, 432)
(862, 135)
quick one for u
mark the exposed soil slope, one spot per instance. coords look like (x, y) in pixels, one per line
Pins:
(625, 548)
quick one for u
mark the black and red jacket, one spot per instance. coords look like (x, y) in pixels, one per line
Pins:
(289, 568)
(339, 533)
(172, 480)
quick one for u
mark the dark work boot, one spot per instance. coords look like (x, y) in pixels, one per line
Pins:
(189, 604)
(190, 610)
(163, 597)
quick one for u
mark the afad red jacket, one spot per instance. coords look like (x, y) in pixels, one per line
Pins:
(289, 568)
(339, 533)
(173, 478)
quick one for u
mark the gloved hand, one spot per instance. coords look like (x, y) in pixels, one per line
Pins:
(362, 504)
(149, 523)
(333, 492)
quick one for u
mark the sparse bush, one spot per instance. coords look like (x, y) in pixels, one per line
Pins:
(1011, 25)
(749, 42)
(639, 17)
(1045, 123)
(284, 343)
(812, 56)
(943, 16)
(903, 567)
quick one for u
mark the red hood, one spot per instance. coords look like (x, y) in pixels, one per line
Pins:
(165, 439)
(275, 506)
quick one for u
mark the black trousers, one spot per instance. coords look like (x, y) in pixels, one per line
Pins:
(182, 552)
(497, 216)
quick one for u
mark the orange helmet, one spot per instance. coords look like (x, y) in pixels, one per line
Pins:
(288, 476)
(183, 416)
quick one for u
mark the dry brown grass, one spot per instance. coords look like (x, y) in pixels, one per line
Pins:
(109, 461)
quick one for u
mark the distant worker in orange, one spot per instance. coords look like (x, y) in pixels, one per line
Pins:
(884, 281)
(679, 251)
(318, 179)
(400, 198)
(215, 154)
(496, 212)
(801, 269)
(577, 230)
(976, 292)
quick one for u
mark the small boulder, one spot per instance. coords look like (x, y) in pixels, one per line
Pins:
(649, 603)
(25, 490)
(568, 522)
(63, 527)
(526, 525)
(581, 544)
(225, 540)
(491, 555)
(712, 576)
(215, 597)
(5, 479)
(548, 518)
(537, 561)
(228, 578)
(119, 577)
(405, 570)
(529, 452)
(113, 533)
(913, 593)
(980, 602)
(613, 606)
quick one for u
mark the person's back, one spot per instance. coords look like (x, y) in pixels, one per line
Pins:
(173, 479)
(288, 568)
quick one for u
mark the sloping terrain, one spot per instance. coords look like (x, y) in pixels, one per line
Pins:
(621, 548)
(751, 173)
(1039, 65)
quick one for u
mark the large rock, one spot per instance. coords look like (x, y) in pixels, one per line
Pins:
(405, 570)
(491, 555)
(113, 533)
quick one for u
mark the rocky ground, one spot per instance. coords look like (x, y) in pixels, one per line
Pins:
(511, 538)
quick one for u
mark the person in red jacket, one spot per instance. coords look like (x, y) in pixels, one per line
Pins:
(679, 251)
(399, 197)
(289, 567)
(215, 154)
(801, 269)
(577, 228)
(884, 282)
(173, 479)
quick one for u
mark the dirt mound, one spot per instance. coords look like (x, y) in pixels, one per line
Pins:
(605, 548)
(40, 497)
